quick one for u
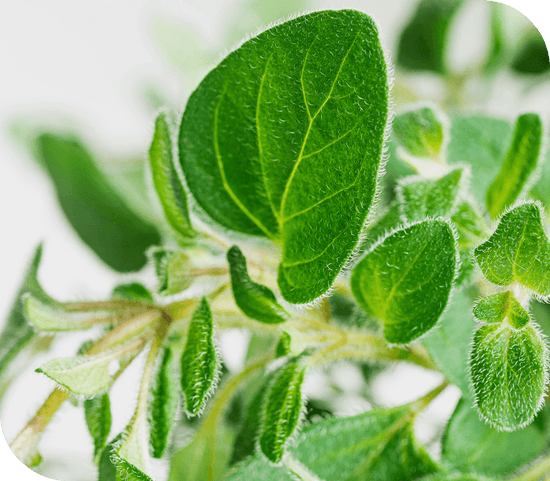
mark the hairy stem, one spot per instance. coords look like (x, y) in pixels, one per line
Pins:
(539, 471)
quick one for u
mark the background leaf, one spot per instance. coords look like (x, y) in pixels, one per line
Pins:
(97, 412)
(532, 57)
(283, 98)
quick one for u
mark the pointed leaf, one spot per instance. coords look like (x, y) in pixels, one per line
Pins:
(133, 291)
(509, 371)
(422, 132)
(518, 251)
(132, 453)
(256, 301)
(282, 411)
(98, 419)
(163, 404)
(406, 280)
(167, 183)
(470, 445)
(520, 163)
(283, 140)
(420, 198)
(101, 218)
(126, 471)
(199, 362)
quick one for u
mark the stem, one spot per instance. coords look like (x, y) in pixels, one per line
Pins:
(112, 305)
(536, 472)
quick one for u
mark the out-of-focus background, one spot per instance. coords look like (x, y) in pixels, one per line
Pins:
(102, 69)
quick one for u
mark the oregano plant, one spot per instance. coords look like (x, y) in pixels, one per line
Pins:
(274, 216)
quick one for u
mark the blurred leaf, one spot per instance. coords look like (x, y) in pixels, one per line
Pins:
(133, 291)
(258, 468)
(423, 41)
(470, 445)
(519, 164)
(540, 190)
(99, 215)
(497, 307)
(173, 269)
(98, 419)
(496, 58)
(532, 57)
(283, 346)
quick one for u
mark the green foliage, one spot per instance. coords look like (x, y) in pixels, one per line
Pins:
(332, 128)
(165, 177)
(520, 162)
(407, 278)
(283, 345)
(256, 301)
(163, 403)
(98, 419)
(532, 57)
(173, 270)
(518, 251)
(421, 132)
(423, 42)
(470, 445)
(282, 410)
(133, 291)
(92, 205)
(497, 307)
(199, 362)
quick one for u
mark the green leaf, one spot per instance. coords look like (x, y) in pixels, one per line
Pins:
(133, 291)
(496, 57)
(540, 190)
(97, 411)
(482, 142)
(518, 251)
(497, 307)
(520, 163)
(283, 346)
(165, 177)
(509, 372)
(470, 445)
(199, 362)
(17, 332)
(283, 139)
(126, 471)
(420, 198)
(256, 301)
(378, 445)
(106, 467)
(173, 269)
(259, 468)
(48, 316)
(423, 42)
(163, 403)
(114, 468)
(282, 410)
(406, 279)
(449, 343)
(470, 224)
(422, 132)
(98, 214)
(532, 57)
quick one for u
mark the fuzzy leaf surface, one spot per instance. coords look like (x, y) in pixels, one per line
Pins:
(470, 224)
(406, 280)
(497, 307)
(509, 371)
(256, 301)
(470, 445)
(173, 270)
(518, 251)
(420, 198)
(283, 139)
(519, 164)
(199, 362)
(282, 410)
(167, 183)
(163, 403)
(101, 218)
(97, 411)
(421, 132)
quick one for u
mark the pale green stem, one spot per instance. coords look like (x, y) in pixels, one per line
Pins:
(536, 472)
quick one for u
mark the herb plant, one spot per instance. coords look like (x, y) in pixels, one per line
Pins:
(273, 220)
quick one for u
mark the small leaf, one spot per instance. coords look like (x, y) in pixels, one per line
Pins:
(98, 419)
(163, 403)
(497, 307)
(422, 132)
(167, 183)
(470, 224)
(283, 139)
(126, 471)
(406, 280)
(173, 269)
(101, 218)
(133, 291)
(508, 367)
(199, 362)
(532, 57)
(518, 251)
(423, 42)
(520, 163)
(420, 198)
(256, 301)
(53, 317)
(283, 345)
(470, 445)
(282, 410)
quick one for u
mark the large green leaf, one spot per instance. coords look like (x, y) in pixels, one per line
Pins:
(406, 280)
(470, 445)
(284, 138)
(518, 251)
(98, 214)
(508, 364)
(519, 164)
(423, 42)
(97, 412)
